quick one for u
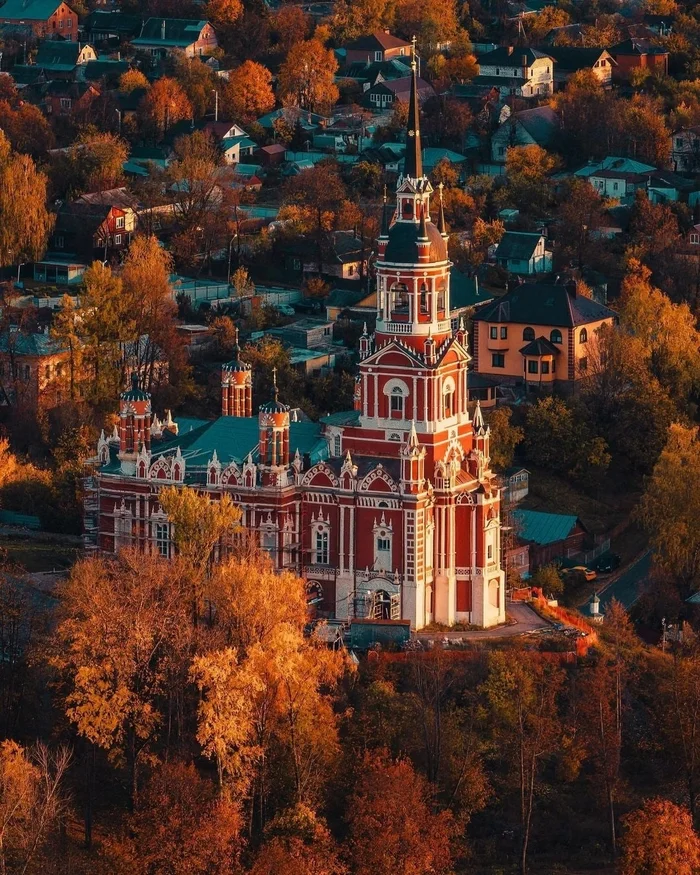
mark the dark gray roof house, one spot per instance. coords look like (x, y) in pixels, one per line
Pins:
(530, 127)
(542, 304)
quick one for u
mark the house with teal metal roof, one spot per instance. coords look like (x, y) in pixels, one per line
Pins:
(550, 536)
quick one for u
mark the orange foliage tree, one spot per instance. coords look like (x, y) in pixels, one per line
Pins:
(307, 77)
(660, 840)
(393, 827)
(249, 93)
(164, 105)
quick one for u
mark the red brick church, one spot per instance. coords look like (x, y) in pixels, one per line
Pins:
(388, 510)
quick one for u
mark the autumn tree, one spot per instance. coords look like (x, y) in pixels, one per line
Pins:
(521, 695)
(392, 822)
(106, 323)
(505, 437)
(548, 579)
(548, 18)
(678, 716)
(181, 827)
(119, 618)
(65, 329)
(432, 24)
(660, 840)
(132, 80)
(527, 169)
(315, 194)
(164, 104)
(353, 18)
(307, 77)
(669, 508)
(667, 332)
(559, 439)
(146, 286)
(197, 80)
(26, 224)
(626, 404)
(290, 25)
(198, 526)
(95, 162)
(224, 14)
(26, 128)
(32, 802)
(249, 93)
(581, 214)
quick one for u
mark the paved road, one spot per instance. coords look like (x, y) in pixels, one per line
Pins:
(629, 586)
(526, 620)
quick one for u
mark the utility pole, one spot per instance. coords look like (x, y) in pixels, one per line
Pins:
(216, 104)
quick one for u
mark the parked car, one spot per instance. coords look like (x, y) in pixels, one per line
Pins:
(285, 309)
(586, 573)
(607, 563)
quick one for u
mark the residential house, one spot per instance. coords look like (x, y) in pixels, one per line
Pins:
(306, 333)
(525, 253)
(550, 536)
(530, 127)
(516, 481)
(638, 54)
(163, 36)
(368, 74)
(615, 177)
(104, 71)
(380, 46)
(433, 155)
(344, 255)
(237, 148)
(90, 230)
(64, 98)
(685, 150)
(465, 294)
(121, 198)
(270, 156)
(59, 59)
(103, 27)
(572, 59)
(538, 336)
(42, 18)
(34, 370)
(387, 94)
(521, 72)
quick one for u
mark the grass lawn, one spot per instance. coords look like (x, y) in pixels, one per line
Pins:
(37, 555)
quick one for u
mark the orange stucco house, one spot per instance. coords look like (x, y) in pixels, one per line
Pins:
(538, 336)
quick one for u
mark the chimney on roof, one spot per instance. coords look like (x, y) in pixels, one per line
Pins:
(510, 50)
(162, 30)
(523, 60)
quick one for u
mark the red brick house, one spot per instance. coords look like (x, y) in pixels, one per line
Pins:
(63, 98)
(638, 54)
(90, 231)
(376, 47)
(45, 18)
(34, 370)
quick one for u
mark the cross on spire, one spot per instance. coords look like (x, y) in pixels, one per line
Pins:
(275, 390)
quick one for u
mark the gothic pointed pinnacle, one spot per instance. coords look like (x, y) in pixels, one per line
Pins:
(413, 435)
(348, 457)
(102, 435)
(297, 455)
(423, 228)
(275, 390)
(214, 458)
(442, 225)
(364, 329)
(478, 421)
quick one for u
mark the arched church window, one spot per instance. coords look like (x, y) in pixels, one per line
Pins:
(528, 334)
(448, 401)
(424, 298)
(322, 553)
(396, 404)
(399, 299)
(441, 297)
